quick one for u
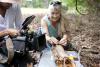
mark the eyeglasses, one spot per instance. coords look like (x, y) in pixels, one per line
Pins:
(55, 3)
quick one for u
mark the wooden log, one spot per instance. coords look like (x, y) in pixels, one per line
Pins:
(61, 58)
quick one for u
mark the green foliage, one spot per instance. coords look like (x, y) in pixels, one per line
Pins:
(35, 3)
(42, 3)
(69, 3)
(82, 5)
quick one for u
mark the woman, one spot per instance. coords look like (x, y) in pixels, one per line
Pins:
(56, 29)
(55, 25)
(57, 32)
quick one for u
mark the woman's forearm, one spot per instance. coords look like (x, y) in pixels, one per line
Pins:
(65, 36)
(48, 37)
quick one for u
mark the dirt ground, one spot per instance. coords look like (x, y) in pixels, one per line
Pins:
(86, 37)
(85, 32)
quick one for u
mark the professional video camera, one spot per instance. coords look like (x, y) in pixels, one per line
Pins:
(33, 40)
(25, 42)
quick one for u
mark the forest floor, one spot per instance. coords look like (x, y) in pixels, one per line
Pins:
(85, 31)
(86, 37)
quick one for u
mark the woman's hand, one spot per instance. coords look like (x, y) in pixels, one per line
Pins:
(53, 40)
(64, 40)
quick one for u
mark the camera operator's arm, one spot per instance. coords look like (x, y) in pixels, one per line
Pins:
(10, 32)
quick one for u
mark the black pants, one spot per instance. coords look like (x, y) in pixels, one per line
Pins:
(21, 60)
(69, 47)
(4, 65)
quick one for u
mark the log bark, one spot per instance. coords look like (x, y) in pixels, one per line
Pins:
(61, 58)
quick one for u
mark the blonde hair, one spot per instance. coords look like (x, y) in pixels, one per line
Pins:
(54, 5)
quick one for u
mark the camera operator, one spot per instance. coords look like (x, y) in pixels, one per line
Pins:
(10, 18)
(10, 22)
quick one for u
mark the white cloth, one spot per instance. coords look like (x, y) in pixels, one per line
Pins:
(12, 19)
(47, 59)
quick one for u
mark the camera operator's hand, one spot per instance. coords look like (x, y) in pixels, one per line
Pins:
(12, 32)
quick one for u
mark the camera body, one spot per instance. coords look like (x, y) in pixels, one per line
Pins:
(29, 41)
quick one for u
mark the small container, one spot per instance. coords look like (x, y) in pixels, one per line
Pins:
(72, 55)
